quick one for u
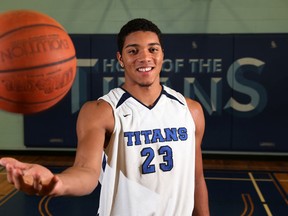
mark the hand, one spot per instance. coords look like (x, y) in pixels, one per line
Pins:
(32, 179)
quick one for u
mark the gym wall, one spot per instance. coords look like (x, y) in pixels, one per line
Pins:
(228, 55)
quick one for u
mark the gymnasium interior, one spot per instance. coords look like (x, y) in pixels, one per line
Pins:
(228, 55)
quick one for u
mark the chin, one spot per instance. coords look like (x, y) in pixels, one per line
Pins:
(145, 84)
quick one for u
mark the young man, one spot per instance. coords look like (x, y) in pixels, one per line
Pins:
(150, 134)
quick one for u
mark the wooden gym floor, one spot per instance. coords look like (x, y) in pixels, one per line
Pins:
(265, 179)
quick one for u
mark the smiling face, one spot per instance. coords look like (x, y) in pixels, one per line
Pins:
(142, 58)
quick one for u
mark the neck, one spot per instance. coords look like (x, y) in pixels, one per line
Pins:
(146, 94)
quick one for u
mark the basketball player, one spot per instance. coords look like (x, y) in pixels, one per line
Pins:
(151, 136)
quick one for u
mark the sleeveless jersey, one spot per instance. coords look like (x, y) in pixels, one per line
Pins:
(150, 159)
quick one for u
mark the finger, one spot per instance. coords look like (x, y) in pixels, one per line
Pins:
(13, 173)
(9, 171)
(24, 183)
(4, 161)
(13, 162)
(1, 162)
(13, 168)
(37, 184)
(17, 179)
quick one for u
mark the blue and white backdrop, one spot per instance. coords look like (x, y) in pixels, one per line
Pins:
(240, 80)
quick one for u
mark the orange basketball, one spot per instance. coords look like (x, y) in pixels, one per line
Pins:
(37, 62)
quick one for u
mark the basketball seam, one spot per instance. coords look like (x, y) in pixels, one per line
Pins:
(25, 103)
(29, 26)
(38, 66)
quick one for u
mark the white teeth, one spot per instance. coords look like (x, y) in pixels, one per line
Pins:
(144, 69)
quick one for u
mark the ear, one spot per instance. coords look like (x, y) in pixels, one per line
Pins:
(119, 58)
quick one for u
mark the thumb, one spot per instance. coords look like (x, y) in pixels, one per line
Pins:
(52, 188)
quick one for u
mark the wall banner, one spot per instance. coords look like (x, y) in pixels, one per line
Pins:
(240, 80)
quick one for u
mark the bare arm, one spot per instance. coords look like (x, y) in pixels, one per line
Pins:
(94, 122)
(201, 206)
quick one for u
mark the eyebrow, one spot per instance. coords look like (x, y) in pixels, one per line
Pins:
(136, 45)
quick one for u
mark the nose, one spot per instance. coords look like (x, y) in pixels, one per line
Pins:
(145, 56)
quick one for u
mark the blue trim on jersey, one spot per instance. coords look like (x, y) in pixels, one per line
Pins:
(171, 96)
(123, 98)
(104, 162)
(127, 95)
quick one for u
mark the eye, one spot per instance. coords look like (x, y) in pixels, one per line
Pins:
(132, 51)
(153, 49)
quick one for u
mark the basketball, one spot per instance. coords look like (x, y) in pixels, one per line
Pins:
(37, 62)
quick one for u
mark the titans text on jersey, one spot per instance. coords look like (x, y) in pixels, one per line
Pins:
(155, 135)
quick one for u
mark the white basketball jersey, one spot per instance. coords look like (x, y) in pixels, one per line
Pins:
(150, 158)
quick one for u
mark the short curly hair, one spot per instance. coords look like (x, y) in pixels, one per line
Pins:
(138, 24)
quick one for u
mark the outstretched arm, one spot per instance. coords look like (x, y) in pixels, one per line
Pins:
(95, 121)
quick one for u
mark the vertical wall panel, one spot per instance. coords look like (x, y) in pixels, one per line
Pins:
(262, 79)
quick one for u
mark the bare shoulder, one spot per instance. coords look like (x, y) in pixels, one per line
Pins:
(194, 107)
(197, 115)
(96, 113)
(96, 105)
